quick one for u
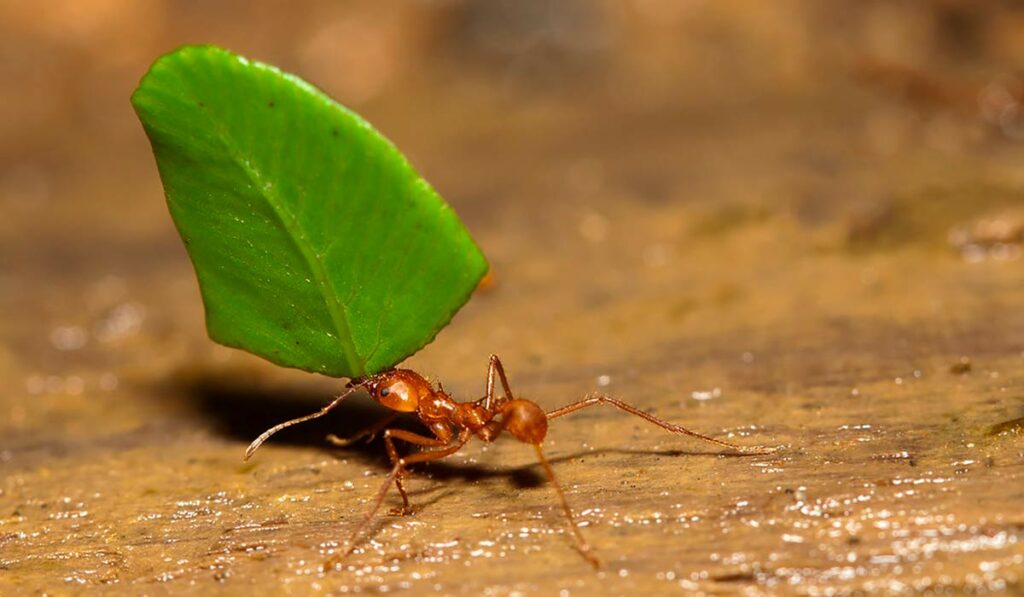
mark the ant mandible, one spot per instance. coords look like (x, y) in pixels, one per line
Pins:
(455, 423)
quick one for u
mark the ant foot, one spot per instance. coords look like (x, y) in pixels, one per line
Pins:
(403, 511)
(589, 557)
(341, 442)
(757, 450)
(332, 563)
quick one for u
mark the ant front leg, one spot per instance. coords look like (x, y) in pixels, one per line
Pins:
(396, 473)
(368, 433)
(399, 463)
(629, 408)
(495, 366)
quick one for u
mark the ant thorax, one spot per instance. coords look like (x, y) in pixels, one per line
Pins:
(404, 390)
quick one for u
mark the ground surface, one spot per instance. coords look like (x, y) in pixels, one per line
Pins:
(777, 226)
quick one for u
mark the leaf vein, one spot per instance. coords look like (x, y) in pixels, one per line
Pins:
(314, 260)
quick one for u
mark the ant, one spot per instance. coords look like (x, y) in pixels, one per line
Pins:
(455, 423)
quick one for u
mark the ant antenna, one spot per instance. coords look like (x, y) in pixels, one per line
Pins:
(352, 387)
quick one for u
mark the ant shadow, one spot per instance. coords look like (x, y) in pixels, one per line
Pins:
(241, 410)
(529, 475)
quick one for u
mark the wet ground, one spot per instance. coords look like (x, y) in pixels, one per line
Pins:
(779, 226)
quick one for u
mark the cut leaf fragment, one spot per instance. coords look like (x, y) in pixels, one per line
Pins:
(316, 244)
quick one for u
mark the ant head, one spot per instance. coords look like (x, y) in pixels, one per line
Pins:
(398, 389)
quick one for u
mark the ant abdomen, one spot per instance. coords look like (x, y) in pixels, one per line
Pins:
(525, 421)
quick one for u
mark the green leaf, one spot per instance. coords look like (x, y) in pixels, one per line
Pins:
(316, 244)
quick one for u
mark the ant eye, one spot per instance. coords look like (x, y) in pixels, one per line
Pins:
(385, 391)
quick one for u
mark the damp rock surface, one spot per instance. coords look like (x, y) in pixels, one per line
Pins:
(807, 240)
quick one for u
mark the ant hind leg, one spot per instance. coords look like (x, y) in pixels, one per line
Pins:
(603, 399)
(581, 544)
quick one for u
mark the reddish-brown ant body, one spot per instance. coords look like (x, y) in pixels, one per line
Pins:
(455, 423)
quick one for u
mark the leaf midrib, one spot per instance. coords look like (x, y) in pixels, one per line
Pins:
(298, 238)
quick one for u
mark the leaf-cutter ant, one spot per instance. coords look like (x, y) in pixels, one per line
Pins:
(455, 423)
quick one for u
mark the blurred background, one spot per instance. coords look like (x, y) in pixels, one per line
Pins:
(685, 201)
(865, 122)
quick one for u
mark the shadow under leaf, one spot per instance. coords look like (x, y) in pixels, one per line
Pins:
(239, 408)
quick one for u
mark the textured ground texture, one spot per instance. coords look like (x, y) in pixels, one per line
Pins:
(776, 223)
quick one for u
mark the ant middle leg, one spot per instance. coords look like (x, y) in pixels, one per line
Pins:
(603, 399)
(495, 366)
